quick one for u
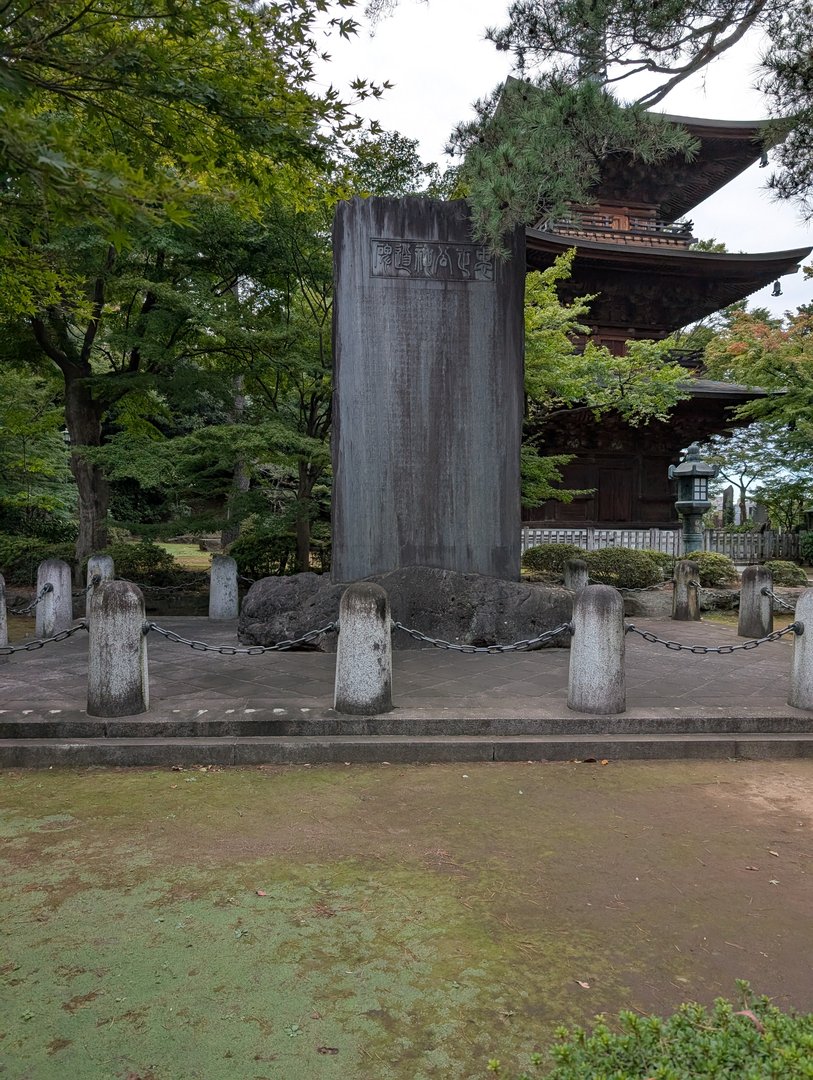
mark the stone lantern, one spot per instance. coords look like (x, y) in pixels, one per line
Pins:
(692, 475)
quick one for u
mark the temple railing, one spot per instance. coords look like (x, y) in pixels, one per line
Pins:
(639, 230)
(743, 548)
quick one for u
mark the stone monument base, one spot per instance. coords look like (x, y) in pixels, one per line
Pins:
(467, 609)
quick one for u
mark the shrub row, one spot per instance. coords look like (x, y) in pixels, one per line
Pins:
(626, 568)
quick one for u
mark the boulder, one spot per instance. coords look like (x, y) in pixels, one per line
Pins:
(467, 609)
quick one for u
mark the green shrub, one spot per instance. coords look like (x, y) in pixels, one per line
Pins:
(716, 571)
(21, 555)
(751, 1041)
(623, 568)
(665, 562)
(786, 573)
(550, 559)
(263, 552)
(146, 563)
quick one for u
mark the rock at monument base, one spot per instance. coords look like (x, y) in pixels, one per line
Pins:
(467, 609)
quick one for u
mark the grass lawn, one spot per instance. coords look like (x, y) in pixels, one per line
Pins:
(189, 556)
(396, 923)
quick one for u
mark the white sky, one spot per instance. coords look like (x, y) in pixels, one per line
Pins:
(436, 55)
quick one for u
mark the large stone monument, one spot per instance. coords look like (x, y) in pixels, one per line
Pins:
(428, 392)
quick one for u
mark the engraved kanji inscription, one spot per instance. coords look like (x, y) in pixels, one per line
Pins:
(430, 260)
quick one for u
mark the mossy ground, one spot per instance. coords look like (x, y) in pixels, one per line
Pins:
(416, 920)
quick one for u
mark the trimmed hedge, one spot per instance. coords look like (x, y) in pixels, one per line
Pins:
(550, 559)
(623, 568)
(786, 573)
(148, 564)
(753, 1040)
(716, 571)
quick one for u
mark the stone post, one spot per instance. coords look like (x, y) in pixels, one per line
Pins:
(596, 683)
(54, 612)
(223, 599)
(101, 567)
(117, 652)
(756, 610)
(364, 654)
(686, 595)
(576, 576)
(3, 618)
(801, 666)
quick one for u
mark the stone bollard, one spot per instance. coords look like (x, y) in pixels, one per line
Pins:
(54, 612)
(223, 599)
(801, 666)
(117, 652)
(364, 654)
(3, 618)
(596, 682)
(686, 595)
(576, 576)
(756, 610)
(101, 567)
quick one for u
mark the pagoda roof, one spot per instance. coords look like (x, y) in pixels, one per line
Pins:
(675, 186)
(651, 291)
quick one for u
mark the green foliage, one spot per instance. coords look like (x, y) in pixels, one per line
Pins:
(716, 571)
(145, 562)
(751, 1041)
(623, 568)
(665, 562)
(264, 552)
(550, 559)
(21, 555)
(806, 548)
(786, 573)
(536, 148)
(786, 500)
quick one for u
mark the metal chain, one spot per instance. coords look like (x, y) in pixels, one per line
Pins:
(248, 580)
(29, 646)
(94, 581)
(722, 650)
(47, 588)
(517, 646)
(778, 599)
(165, 588)
(232, 650)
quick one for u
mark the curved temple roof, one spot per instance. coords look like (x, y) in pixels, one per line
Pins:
(647, 291)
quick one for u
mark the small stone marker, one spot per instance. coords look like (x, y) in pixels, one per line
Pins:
(576, 575)
(224, 602)
(3, 618)
(117, 653)
(686, 597)
(756, 611)
(596, 681)
(801, 667)
(364, 655)
(54, 612)
(99, 566)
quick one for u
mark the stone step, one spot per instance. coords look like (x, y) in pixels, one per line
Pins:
(398, 724)
(313, 750)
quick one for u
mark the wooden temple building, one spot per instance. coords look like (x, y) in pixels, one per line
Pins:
(633, 248)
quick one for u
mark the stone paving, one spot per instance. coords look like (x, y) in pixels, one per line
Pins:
(50, 683)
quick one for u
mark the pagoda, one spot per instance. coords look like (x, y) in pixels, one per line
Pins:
(634, 250)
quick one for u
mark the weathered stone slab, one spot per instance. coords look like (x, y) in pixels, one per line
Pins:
(468, 609)
(428, 392)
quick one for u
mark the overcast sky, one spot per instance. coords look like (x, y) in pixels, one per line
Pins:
(436, 55)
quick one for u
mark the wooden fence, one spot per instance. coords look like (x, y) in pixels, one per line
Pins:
(740, 547)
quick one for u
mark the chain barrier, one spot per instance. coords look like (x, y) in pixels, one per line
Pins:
(644, 588)
(94, 581)
(778, 599)
(232, 650)
(694, 585)
(38, 643)
(47, 588)
(516, 646)
(248, 580)
(166, 588)
(721, 650)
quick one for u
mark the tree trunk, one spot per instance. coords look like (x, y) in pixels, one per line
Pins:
(83, 417)
(303, 518)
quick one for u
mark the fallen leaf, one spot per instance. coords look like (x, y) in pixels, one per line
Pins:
(583, 985)
(773, 881)
(776, 853)
(327, 1049)
(604, 761)
(316, 1016)
(752, 868)
(261, 892)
